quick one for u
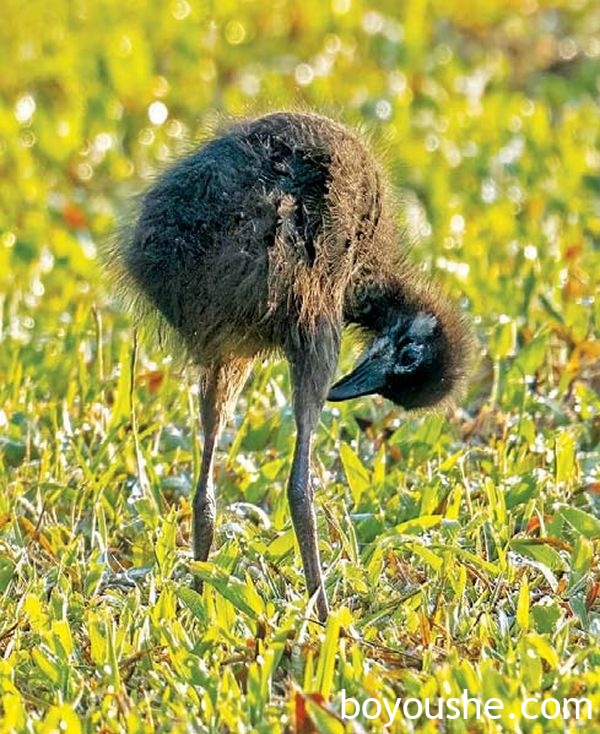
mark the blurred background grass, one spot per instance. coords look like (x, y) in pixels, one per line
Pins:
(485, 112)
(487, 116)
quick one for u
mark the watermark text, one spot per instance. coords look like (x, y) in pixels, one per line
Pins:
(464, 707)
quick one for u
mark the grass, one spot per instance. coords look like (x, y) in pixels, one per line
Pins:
(462, 550)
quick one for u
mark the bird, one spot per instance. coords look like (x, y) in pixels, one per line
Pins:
(271, 239)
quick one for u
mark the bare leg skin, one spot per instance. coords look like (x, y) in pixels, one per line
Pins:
(310, 388)
(219, 389)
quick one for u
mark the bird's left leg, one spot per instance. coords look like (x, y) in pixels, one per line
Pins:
(220, 387)
(312, 369)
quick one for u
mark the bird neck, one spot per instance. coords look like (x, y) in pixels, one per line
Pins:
(379, 306)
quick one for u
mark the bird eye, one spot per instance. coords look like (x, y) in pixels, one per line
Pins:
(410, 356)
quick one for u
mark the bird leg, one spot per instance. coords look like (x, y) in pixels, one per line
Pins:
(219, 390)
(312, 374)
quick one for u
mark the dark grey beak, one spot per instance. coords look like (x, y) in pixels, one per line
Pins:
(369, 377)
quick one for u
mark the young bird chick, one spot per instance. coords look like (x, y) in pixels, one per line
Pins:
(272, 238)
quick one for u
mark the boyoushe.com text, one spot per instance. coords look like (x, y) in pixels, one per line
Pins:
(464, 707)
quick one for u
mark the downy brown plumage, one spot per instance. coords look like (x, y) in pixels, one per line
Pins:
(274, 237)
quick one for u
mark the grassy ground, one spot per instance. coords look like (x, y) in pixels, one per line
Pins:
(462, 550)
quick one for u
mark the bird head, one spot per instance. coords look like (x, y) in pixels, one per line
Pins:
(417, 361)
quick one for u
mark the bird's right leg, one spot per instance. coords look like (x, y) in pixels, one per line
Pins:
(219, 389)
(312, 369)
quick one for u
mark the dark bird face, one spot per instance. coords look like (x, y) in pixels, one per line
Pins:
(411, 363)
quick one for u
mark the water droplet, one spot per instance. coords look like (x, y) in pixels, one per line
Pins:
(24, 108)
(304, 74)
(158, 112)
